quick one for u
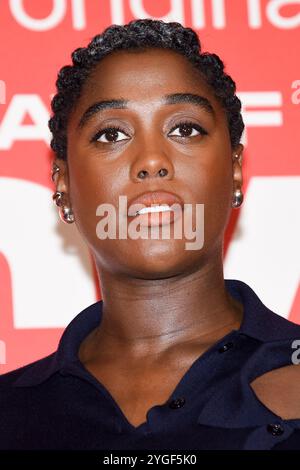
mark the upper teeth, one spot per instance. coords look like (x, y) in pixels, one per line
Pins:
(146, 210)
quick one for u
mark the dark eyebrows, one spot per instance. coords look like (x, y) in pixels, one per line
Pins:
(101, 106)
(192, 98)
(174, 98)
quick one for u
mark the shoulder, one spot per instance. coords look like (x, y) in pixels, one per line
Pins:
(259, 320)
(33, 369)
(22, 399)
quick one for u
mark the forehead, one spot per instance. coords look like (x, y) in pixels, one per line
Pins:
(143, 77)
(155, 66)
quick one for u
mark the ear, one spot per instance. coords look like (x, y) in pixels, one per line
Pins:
(237, 174)
(61, 176)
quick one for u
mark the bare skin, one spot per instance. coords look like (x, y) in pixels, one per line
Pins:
(279, 391)
(163, 306)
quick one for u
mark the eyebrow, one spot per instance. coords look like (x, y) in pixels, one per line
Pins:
(174, 98)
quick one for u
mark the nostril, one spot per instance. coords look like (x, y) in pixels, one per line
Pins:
(142, 174)
(163, 172)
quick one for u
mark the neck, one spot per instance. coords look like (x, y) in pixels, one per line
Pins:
(149, 316)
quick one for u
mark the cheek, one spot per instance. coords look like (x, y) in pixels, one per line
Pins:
(89, 186)
(218, 201)
(211, 185)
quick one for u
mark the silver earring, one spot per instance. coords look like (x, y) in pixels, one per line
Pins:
(237, 198)
(55, 170)
(66, 213)
(238, 157)
(237, 195)
(58, 198)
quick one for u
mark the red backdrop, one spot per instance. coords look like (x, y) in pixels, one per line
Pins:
(47, 275)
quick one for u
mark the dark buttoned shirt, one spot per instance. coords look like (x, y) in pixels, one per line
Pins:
(56, 403)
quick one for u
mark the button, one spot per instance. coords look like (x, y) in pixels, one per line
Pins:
(225, 347)
(177, 403)
(275, 429)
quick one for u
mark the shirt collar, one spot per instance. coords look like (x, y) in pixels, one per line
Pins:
(258, 322)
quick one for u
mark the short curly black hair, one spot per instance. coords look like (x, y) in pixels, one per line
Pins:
(140, 34)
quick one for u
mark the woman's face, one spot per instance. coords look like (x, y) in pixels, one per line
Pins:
(149, 136)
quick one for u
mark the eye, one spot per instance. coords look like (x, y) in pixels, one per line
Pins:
(187, 129)
(110, 135)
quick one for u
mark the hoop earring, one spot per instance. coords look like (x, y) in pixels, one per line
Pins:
(58, 198)
(66, 213)
(55, 170)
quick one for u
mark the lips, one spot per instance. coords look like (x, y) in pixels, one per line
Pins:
(151, 199)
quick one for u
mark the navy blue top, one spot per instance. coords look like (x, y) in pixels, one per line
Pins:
(55, 403)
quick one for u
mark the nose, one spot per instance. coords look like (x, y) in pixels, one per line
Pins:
(152, 166)
(144, 173)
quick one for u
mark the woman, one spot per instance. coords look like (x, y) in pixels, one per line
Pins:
(173, 356)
